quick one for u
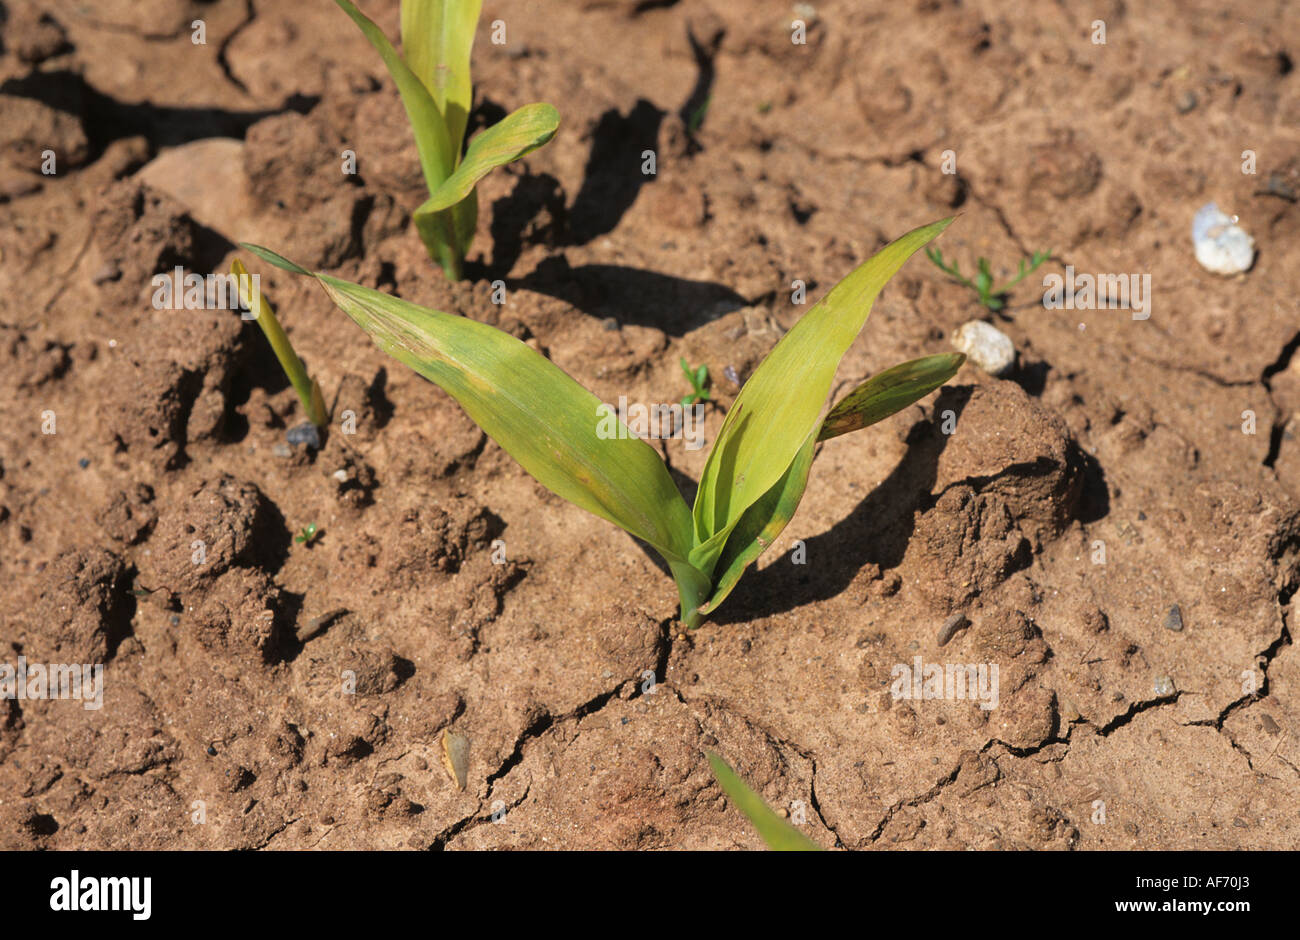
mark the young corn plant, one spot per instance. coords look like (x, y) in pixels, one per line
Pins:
(309, 394)
(758, 468)
(432, 77)
(992, 298)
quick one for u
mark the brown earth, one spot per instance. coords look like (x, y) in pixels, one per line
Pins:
(226, 721)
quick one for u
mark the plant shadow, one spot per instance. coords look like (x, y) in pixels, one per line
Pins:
(675, 305)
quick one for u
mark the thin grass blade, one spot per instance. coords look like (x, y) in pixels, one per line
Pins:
(779, 835)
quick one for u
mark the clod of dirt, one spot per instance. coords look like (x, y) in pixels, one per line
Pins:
(130, 514)
(34, 129)
(127, 736)
(1009, 445)
(239, 618)
(225, 522)
(147, 233)
(33, 35)
(292, 160)
(32, 362)
(431, 540)
(83, 608)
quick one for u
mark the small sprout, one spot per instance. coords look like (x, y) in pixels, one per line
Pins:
(991, 297)
(699, 379)
(309, 394)
(696, 120)
(307, 535)
(432, 76)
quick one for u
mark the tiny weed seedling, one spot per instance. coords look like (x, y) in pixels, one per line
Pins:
(754, 476)
(309, 394)
(307, 535)
(991, 297)
(699, 379)
(432, 77)
(778, 834)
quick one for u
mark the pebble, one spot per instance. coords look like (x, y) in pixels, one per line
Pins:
(1222, 247)
(305, 433)
(282, 450)
(111, 271)
(1174, 619)
(83, 463)
(986, 346)
(1163, 687)
(951, 626)
(1186, 102)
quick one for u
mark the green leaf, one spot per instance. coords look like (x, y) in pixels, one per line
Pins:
(889, 392)
(437, 158)
(759, 527)
(771, 828)
(280, 261)
(784, 400)
(515, 135)
(558, 431)
(437, 36)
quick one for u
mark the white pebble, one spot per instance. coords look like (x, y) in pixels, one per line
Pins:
(986, 346)
(1221, 244)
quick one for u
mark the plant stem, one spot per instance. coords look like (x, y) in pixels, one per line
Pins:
(309, 393)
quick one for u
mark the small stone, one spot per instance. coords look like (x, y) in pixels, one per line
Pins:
(610, 323)
(951, 627)
(111, 271)
(1270, 726)
(212, 751)
(1163, 687)
(1186, 102)
(986, 346)
(1222, 247)
(341, 475)
(305, 433)
(1174, 619)
(282, 450)
(83, 463)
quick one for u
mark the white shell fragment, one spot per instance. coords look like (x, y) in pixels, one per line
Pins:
(986, 346)
(1221, 244)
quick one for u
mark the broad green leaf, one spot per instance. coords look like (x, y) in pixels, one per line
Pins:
(889, 392)
(785, 398)
(771, 828)
(760, 525)
(437, 36)
(515, 135)
(437, 158)
(534, 410)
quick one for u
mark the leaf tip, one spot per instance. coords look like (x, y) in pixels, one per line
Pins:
(270, 257)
